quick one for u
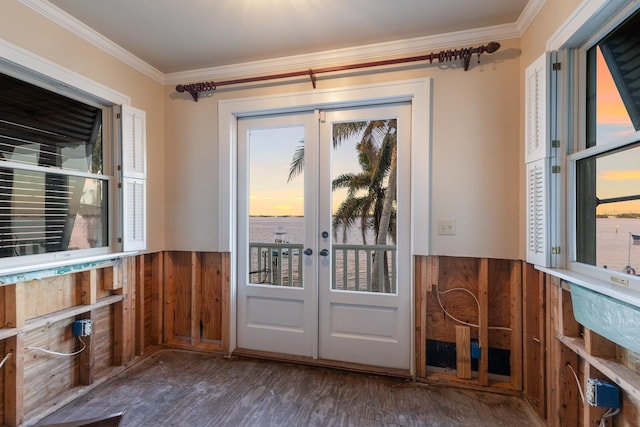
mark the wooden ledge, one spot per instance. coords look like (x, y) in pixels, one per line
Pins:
(624, 377)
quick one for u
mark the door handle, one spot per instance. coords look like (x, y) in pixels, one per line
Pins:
(307, 251)
(324, 252)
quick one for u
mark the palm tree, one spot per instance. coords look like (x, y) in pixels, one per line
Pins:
(368, 200)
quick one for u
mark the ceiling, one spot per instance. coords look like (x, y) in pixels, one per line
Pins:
(178, 36)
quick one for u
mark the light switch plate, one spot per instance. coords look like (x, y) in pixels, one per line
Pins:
(446, 227)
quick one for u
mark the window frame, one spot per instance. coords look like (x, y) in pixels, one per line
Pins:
(26, 66)
(601, 19)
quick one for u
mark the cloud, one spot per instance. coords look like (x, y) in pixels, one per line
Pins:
(621, 175)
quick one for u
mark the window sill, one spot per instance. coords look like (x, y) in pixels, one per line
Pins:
(618, 292)
(55, 268)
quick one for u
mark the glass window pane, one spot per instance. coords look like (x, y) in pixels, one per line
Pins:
(276, 206)
(608, 202)
(613, 99)
(50, 212)
(42, 128)
(364, 206)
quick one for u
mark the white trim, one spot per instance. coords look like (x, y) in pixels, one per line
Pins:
(417, 91)
(618, 292)
(586, 26)
(323, 58)
(85, 32)
(587, 18)
(16, 59)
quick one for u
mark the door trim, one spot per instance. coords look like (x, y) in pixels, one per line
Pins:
(418, 92)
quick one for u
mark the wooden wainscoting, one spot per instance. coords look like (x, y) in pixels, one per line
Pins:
(485, 296)
(196, 299)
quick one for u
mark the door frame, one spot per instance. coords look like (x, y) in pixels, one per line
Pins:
(418, 92)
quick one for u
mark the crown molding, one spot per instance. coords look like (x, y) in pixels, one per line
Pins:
(78, 28)
(528, 14)
(414, 46)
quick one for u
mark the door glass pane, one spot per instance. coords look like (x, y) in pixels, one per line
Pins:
(364, 206)
(276, 206)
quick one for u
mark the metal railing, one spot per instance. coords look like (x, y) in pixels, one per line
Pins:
(275, 264)
(354, 267)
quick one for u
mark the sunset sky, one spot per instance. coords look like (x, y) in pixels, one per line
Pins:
(618, 174)
(271, 152)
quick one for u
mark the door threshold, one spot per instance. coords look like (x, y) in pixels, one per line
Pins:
(325, 363)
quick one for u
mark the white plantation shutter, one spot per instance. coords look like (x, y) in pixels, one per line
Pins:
(134, 174)
(538, 212)
(537, 82)
(134, 213)
(538, 158)
(134, 140)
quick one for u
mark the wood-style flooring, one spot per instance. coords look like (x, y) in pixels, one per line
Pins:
(179, 388)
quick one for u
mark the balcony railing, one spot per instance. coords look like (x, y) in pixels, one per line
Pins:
(354, 267)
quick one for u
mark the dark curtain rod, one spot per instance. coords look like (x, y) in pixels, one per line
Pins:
(442, 56)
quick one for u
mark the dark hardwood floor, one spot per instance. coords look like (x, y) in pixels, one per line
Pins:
(179, 388)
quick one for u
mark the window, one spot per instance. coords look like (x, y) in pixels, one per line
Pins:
(606, 165)
(60, 195)
(53, 189)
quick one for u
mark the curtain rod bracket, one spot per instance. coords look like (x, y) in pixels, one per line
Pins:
(312, 77)
(194, 88)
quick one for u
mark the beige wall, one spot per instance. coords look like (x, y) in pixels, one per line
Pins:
(477, 171)
(475, 153)
(35, 33)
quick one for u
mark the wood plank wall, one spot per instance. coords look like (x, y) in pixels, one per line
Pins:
(180, 299)
(196, 300)
(38, 314)
(554, 343)
(458, 282)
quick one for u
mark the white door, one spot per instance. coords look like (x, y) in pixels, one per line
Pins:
(277, 221)
(323, 239)
(364, 286)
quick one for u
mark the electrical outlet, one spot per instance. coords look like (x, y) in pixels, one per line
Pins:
(446, 227)
(602, 394)
(82, 328)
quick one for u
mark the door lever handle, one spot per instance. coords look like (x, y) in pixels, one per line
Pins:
(307, 251)
(324, 252)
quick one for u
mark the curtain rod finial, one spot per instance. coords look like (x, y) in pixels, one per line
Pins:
(193, 93)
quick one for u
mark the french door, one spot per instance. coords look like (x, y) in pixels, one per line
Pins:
(323, 235)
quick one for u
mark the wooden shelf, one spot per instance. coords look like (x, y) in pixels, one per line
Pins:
(626, 378)
(7, 333)
(38, 322)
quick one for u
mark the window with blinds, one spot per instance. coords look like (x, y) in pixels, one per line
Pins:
(53, 190)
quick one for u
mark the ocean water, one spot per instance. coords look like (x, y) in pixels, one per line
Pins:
(615, 249)
(263, 229)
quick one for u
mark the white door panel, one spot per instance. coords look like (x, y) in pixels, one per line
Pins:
(313, 294)
(356, 324)
(277, 309)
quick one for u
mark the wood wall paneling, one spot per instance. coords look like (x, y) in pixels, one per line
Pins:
(485, 295)
(196, 300)
(534, 338)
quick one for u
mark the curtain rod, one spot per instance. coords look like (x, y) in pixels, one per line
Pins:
(442, 56)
